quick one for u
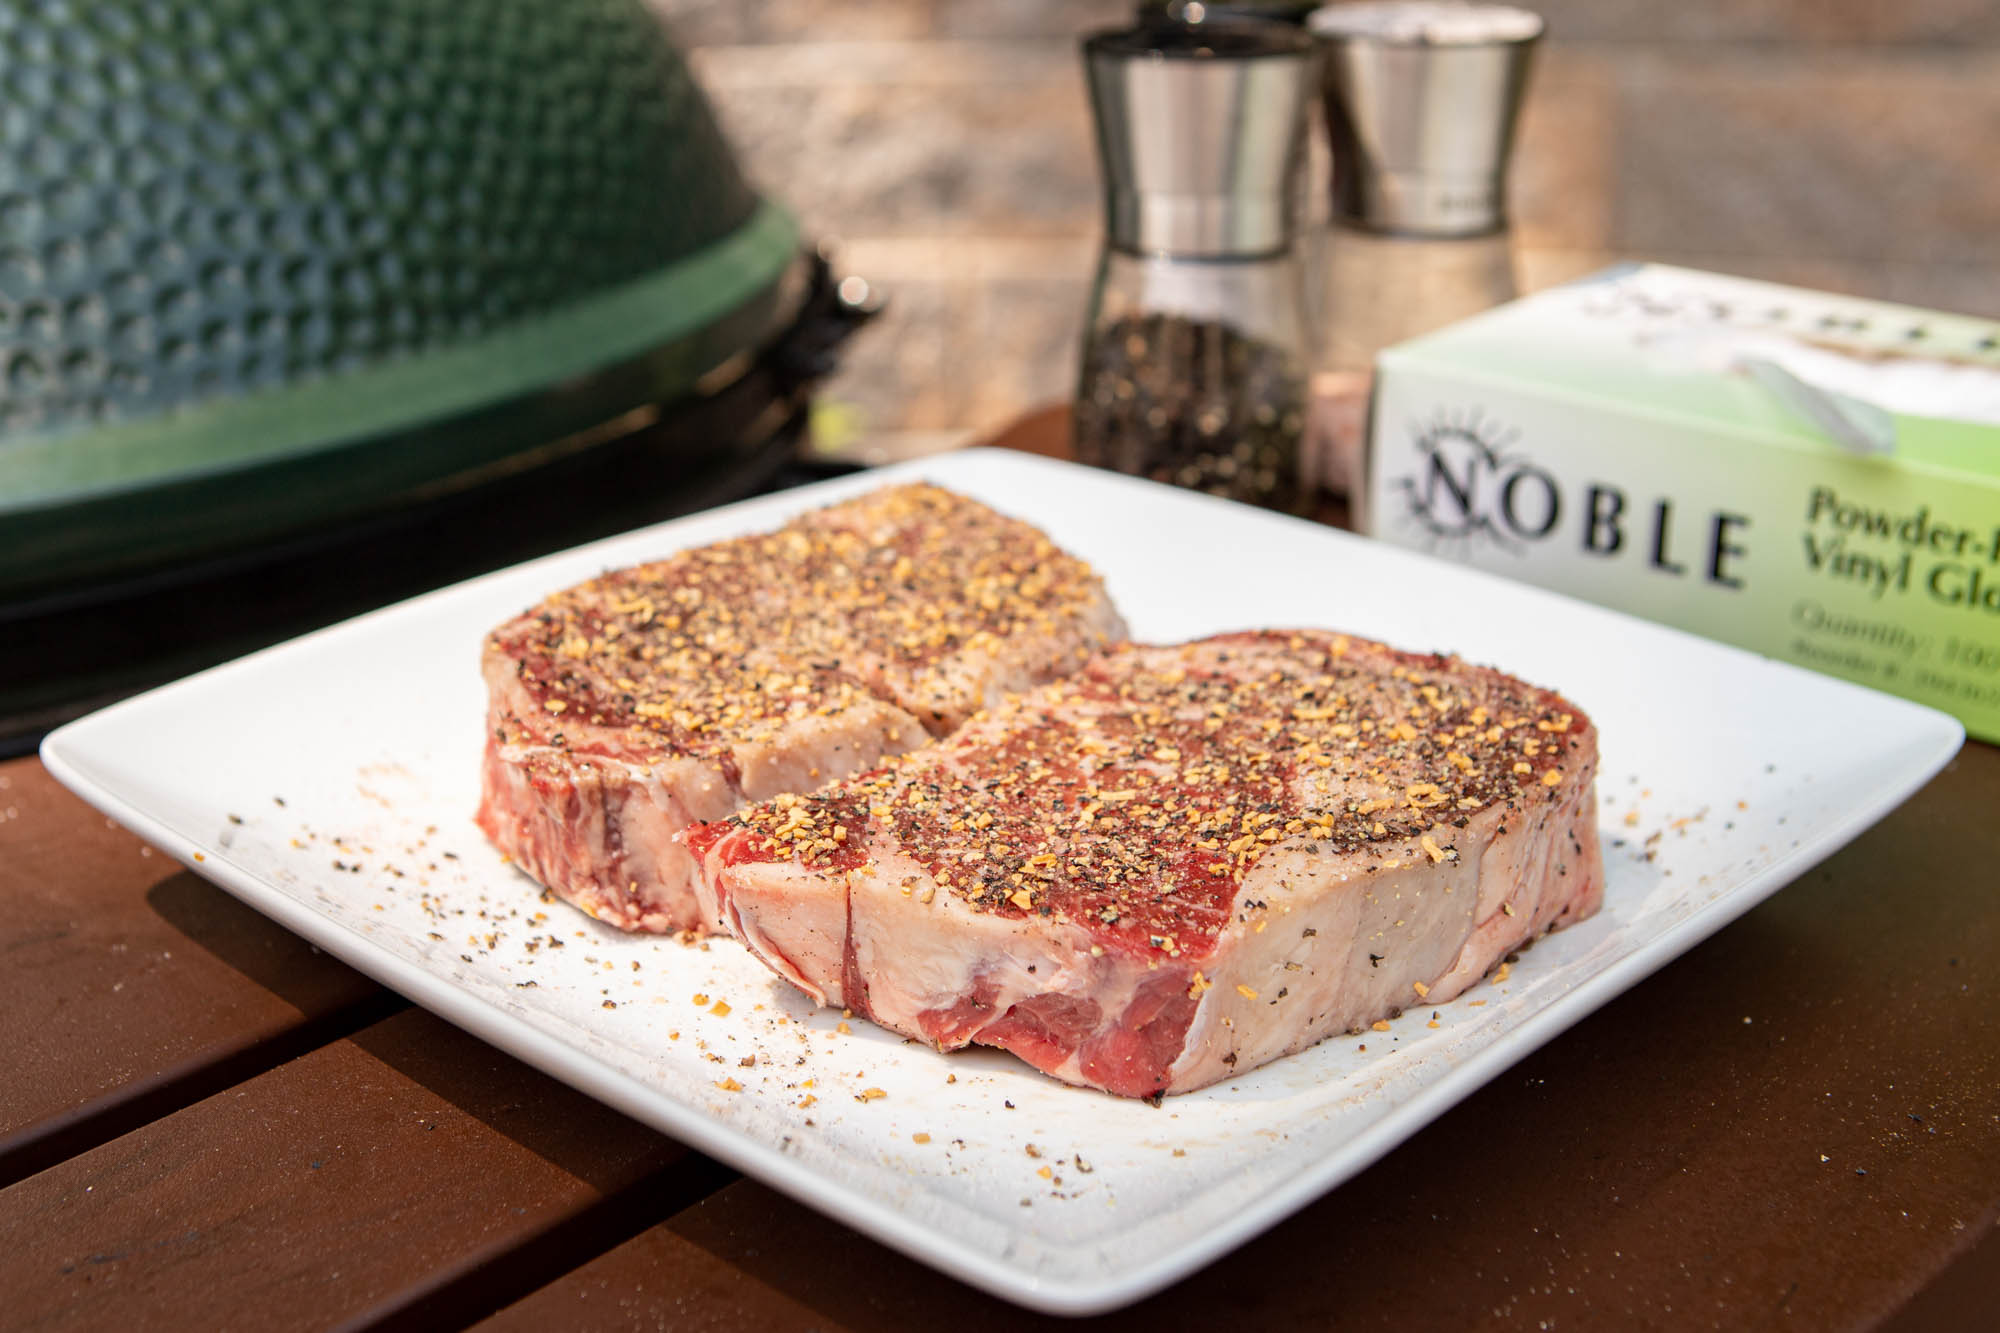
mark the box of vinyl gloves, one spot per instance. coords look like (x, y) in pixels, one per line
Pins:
(1810, 476)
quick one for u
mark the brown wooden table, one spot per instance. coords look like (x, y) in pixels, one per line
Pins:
(206, 1123)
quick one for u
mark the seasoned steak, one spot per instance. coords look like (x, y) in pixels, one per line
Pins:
(1182, 862)
(626, 708)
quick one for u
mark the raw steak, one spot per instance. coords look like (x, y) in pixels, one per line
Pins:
(626, 708)
(1182, 862)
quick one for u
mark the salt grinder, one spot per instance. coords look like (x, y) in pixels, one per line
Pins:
(1421, 100)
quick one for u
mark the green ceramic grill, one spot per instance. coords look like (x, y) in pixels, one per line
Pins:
(267, 267)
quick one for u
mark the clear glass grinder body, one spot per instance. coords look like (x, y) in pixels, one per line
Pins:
(1197, 349)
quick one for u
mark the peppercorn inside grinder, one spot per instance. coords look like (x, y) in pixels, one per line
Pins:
(1195, 351)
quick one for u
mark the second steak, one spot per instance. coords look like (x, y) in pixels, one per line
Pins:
(1183, 862)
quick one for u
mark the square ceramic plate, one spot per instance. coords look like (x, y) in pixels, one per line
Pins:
(330, 782)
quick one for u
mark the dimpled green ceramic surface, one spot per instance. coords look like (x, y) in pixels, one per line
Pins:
(313, 249)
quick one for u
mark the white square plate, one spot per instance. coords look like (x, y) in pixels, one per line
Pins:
(330, 783)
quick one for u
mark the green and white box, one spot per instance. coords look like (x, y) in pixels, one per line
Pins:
(1810, 476)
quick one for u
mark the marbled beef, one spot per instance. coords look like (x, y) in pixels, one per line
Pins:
(1182, 862)
(628, 707)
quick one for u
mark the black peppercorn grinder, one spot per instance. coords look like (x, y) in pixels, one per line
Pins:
(1196, 346)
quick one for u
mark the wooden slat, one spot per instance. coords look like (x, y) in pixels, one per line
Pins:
(133, 986)
(747, 1257)
(1964, 1296)
(1796, 1125)
(410, 1173)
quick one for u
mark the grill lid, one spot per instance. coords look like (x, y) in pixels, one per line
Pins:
(267, 266)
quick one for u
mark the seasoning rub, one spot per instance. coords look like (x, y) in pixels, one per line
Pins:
(625, 708)
(1183, 862)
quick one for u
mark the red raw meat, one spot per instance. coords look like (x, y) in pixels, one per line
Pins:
(1182, 862)
(626, 708)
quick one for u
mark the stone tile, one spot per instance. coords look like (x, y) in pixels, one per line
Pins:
(1545, 268)
(971, 257)
(954, 354)
(1029, 18)
(1886, 158)
(895, 446)
(1734, 21)
(1969, 289)
(1536, 267)
(1024, 65)
(1021, 347)
(1964, 289)
(1851, 154)
(990, 324)
(731, 22)
(1840, 144)
(909, 153)
(1566, 152)
(899, 373)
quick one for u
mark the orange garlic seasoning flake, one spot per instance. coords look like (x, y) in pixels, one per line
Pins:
(647, 698)
(1154, 837)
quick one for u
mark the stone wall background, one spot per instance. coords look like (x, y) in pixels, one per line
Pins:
(944, 147)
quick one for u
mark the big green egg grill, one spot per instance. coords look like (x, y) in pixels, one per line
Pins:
(267, 267)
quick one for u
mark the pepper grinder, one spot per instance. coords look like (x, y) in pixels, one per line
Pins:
(1421, 100)
(1196, 352)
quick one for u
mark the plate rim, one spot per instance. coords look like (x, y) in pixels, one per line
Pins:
(1933, 738)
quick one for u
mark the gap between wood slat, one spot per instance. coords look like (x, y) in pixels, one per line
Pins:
(58, 1141)
(558, 1251)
